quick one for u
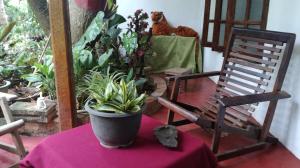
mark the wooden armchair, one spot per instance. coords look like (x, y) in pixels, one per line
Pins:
(251, 59)
(11, 127)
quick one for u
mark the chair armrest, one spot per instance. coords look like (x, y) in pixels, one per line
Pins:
(7, 96)
(10, 127)
(255, 98)
(193, 76)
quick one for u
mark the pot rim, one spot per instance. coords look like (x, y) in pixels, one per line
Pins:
(110, 115)
(7, 83)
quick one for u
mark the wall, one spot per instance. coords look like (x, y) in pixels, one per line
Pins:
(282, 17)
(177, 12)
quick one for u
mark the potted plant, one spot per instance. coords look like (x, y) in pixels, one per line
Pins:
(115, 108)
(4, 85)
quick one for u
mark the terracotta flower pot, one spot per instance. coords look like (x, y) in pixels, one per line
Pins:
(114, 130)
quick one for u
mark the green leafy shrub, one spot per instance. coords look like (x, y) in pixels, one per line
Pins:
(44, 77)
(26, 41)
(21, 42)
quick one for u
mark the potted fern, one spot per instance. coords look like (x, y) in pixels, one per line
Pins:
(115, 108)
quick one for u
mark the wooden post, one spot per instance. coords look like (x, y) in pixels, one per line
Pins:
(63, 61)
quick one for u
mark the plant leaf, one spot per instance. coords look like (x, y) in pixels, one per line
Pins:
(129, 75)
(92, 31)
(32, 77)
(104, 57)
(116, 20)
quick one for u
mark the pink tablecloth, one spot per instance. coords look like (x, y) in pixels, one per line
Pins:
(79, 148)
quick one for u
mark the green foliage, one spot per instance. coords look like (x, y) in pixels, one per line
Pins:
(12, 72)
(21, 42)
(103, 46)
(22, 45)
(91, 33)
(6, 30)
(97, 46)
(137, 31)
(102, 60)
(44, 77)
(112, 94)
(130, 42)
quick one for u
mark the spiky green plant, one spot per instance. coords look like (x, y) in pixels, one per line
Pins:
(110, 93)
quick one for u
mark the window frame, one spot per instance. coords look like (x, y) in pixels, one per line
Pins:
(229, 22)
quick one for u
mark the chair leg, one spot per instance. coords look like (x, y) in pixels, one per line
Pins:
(268, 121)
(218, 129)
(185, 85)
(173, 97)
(170, 117)
(19, 144)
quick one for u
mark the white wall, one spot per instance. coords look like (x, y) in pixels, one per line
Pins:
(178, 12)
(283, 16)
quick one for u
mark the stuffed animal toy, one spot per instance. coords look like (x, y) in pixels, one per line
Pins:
(161, 27)
(160, 24)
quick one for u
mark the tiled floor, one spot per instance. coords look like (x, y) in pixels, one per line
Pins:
(198, 91)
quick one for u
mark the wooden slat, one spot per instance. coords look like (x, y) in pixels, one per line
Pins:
(255, 53)
(261, 82)
(245, 85)
(237, 89)
(249, 58)
(63, 61)
(231, 119)
(224, 90)
(246, 71)
(230, 111)
(249, 64)
(257, 46)
(259, 40)
(243, 108)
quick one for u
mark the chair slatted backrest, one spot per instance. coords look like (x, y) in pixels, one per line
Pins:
(252, 59)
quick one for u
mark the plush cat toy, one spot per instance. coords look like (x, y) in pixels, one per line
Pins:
(161, 27)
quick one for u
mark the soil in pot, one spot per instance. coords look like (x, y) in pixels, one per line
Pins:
(114, 130)
(4, 86)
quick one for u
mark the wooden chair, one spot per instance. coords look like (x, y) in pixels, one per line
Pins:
(251, 59)
(11, 127)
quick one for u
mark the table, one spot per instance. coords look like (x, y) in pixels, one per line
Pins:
(79, 148)
(175, 52)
